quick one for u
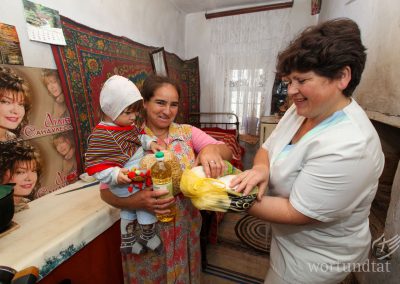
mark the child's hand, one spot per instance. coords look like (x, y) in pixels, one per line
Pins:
(122, 177)
(156, 147)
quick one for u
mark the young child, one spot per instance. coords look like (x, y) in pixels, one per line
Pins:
(115, 146)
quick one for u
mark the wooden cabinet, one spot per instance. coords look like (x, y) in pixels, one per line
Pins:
(71, 238)
(98, 262)
(268, 124)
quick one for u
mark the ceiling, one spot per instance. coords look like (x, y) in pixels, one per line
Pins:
(194, 6)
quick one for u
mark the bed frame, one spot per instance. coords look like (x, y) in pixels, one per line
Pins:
(221, 120)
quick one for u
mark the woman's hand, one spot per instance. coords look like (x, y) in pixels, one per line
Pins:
(152, 201)
(258, 175)
(247, 180)
(146, 199)
(211, 158)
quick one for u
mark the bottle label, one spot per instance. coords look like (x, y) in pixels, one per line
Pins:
(168, 186)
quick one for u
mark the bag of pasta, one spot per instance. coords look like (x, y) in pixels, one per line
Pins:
(215, 194)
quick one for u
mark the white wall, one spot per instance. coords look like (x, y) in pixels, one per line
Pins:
(155, 23)
(379, 22)
(198, 36)
(158, 23)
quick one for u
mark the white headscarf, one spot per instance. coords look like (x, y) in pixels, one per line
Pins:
(118, 93)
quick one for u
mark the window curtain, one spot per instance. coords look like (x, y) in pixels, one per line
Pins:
(241, 66)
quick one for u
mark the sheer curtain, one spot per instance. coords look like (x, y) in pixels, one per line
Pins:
(240, 72)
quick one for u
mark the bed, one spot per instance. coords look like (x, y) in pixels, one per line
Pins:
(223, 126)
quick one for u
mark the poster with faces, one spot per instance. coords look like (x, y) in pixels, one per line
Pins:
(43, 24)
(37, 146)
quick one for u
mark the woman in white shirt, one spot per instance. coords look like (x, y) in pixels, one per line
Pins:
(321, 164)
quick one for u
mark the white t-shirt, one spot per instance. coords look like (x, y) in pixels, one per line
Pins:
(331, 174)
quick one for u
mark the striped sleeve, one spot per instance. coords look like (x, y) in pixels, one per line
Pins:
(103, 152)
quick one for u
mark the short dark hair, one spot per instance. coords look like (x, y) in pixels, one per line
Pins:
(136, 106)
(16, 152)
(153, 82)
(25, 152)
(326, 49)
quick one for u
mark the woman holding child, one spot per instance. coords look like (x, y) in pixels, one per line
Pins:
(179, 262)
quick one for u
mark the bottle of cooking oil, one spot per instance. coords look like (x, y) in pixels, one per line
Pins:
(161, 175)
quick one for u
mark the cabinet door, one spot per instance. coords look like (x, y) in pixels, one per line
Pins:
(97, 262)
(265, 131)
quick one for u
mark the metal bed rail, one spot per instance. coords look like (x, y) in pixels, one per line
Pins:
(218, 119)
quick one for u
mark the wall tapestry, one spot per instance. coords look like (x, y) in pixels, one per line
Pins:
(37, 150)
(92, 56)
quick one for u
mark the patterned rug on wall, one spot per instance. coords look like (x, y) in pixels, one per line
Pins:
(92, 56)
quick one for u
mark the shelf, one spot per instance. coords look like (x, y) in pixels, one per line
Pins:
(384, 118)
(270, 119)
(268, 124)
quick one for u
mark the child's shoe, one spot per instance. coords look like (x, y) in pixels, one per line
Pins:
(149, 238)
(129, 244)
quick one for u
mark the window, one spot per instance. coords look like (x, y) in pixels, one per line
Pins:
(246, 89)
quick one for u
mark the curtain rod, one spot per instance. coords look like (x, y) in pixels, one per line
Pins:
(249, 10)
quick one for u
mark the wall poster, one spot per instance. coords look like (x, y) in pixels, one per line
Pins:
(10, 50)
(37, 150)
(43, 24)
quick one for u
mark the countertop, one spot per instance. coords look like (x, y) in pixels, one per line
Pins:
(55, 227)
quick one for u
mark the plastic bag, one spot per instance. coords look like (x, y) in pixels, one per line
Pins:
(215, 194)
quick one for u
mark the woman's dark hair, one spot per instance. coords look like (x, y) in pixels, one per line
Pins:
(326, 49)
(153, 82)
(7, 158)
(25, 152)
(11, 82)
(136, 106)
(19, 152)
